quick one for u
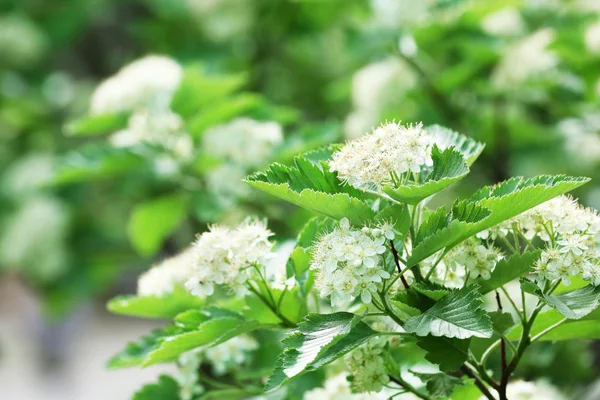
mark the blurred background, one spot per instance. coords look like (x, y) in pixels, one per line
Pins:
(83, 214)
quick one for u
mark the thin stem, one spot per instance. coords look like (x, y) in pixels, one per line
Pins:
(478, 382)
(548, 329)
(286, 322)
(397, 261)
(406, 386)
(503, 362)
(512, 303)
(281, 298)
(388, 310)
(436, 263)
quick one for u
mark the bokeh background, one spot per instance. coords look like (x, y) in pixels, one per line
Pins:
(521, 76)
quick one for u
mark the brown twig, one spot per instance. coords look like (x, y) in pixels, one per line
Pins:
(397, 261)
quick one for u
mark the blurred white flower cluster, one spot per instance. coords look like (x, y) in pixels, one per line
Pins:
(387, 156)
(22, 43)
(469, 259)
(569, 232)
(223, 20)
(145, 88)
(526, 59)
(582, 137)
(162, 279)
(521, 390)
(375, 88)
(348, 262)
(338, 388)
(222, 358)
(225, 256)
(239, 146)
(504, 22)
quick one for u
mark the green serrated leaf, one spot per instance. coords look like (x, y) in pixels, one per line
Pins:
(398, 215)
(167, 306)
(439, 385)
(315, 188)
(433, 291)
(509, 269)
(449, 354)
(457, 315)
(486, 208)
(449, 167)
(530, 287)
(165, 389)
(576, 304)
(135, 352)
(153, 221)
(445, 138)
(501, 321)
(319, 340)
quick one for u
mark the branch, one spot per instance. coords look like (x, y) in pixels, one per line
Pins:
(397, 261)
(478, 382)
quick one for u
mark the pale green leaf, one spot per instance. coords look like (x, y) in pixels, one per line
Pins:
(576, 304)
(448, 167)
(167, 306)
(151, 222)
(445, 138)
(91, 125)
(457, 315)
(165, 389)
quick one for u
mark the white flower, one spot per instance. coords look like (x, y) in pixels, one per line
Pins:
(162, 279)
(504, 22)
(389, 151)
(231, 354)
(527, 58)
(348, 262)
(225, 182)
(243, 141)
(582, 137)
(147, 83)
(592, 38)
(338, 388)
(224, 256)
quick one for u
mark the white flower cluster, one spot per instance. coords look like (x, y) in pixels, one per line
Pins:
(569, 232)
(223, 256)
(162, 279)
(375, 88)
(348, 262)
(469, 259)
(582, 137)
(222, 358)
(592, 38)
(367, 367)
(239, 145)
(22, 43)
(522, 390)
(525, 59)
(383, 156)
(230, 354)
(504, 22)
(147, 83)
(338, 388)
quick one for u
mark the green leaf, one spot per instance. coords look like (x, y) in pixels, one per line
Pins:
(576, 304)
(448, 167)
(167, 306)
(509, 269)
(319, 340)
(165, 389)
(198, 90)
(434, 292)
(135, 352)
(96, 161)
(574, 330)
(439, 385)
(501, 321)
(449, 354)
(219, 326)
(486, 208)
(153, 221)
(445, 138)
(398, 215)
(457, 315)
(97, 124)
(314, 187)
(223, 111)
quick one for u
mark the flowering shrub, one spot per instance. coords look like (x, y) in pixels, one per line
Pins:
(375, 276)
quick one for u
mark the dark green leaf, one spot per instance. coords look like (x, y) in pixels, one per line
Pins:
(509, 269)
(449, 354)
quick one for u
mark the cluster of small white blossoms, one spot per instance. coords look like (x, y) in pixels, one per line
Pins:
(526, 59)
(383, 156)
(222, 358)
(162, 279)
(231, 354)
(147, 83)
(239, 145)
(375, 88)
(569, 232)
(338, 388)
(582, 137)
(348, 262)
(505, 22)
(592, 38)
(367, 367)
(223, 256)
